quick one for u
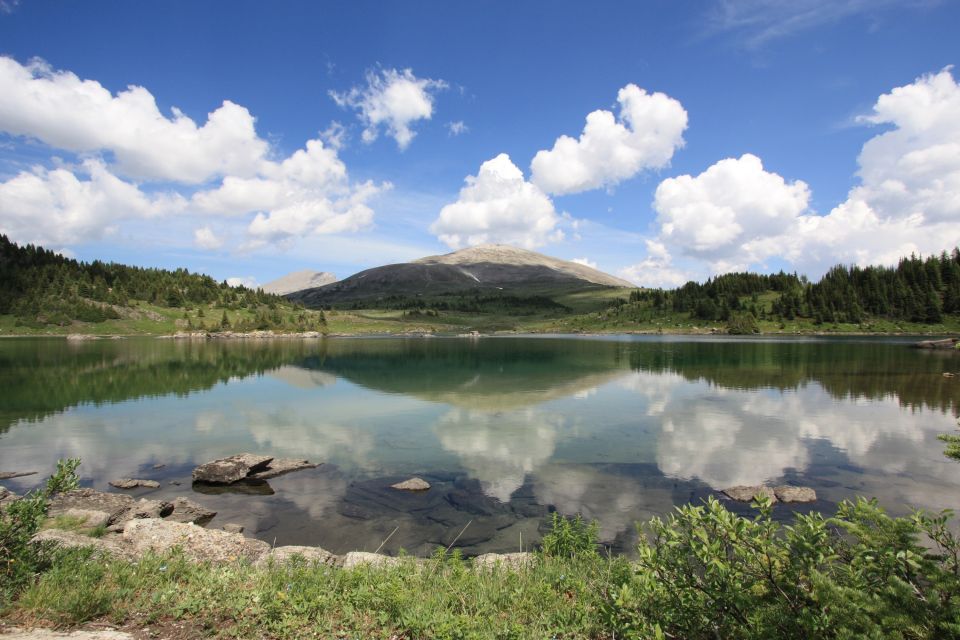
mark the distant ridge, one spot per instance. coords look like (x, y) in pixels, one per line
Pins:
(492, 268)
(298, 281)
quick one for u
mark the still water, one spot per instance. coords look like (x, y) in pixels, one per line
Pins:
(505, 429)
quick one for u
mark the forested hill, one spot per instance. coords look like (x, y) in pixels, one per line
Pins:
(39, 288)
(917, 290)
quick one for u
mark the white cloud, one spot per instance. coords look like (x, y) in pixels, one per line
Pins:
(611, 149)
(498, 205)
(716, 214)
(457, 128)
(585, 262)
(335, 136)
(656, 270)
(205, 238)
(56, 207)
(66, 112)
(392, 99)
(243, 281)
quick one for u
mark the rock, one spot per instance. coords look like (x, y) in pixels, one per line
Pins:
(48, 634)
(743, 493)
(185, 510)
(787, 493)
(232, 527)
(280, 466)
(89, 517)
(197, 543)
(245, 487)
(356, 559)
(947, 374)
(947, 343)
(8, 475)
(7, 496)
(311, 555)
(79, 337)
(111, 545)
(88, 499)
(133, 483)
(413, 484)
(159, 466)
(504, 560)
(142, 509)
(229, 470)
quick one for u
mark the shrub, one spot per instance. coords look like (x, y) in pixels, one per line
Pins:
(570, 538)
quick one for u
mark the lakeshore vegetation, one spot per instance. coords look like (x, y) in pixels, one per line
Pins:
(703, 572)
(42, 292)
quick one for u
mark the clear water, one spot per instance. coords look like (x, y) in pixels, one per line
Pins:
(506, 429)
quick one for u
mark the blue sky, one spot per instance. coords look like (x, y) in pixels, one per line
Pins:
(737, 134)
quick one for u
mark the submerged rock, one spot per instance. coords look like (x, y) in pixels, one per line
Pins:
(946, 343)
(787, 493)
(197, 543)
(133, 483)
(231, 469)
(9, 475)
(742, 493)
(280, 466)
(232, 527)
(413, 484)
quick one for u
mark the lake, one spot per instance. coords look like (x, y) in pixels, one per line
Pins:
(505, 429)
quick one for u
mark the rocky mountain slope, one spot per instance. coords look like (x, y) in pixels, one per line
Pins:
(298, 281)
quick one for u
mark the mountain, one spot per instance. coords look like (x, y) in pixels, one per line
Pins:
(490, 268)
(298, 281)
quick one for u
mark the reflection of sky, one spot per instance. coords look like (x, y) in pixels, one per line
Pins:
(578, 448)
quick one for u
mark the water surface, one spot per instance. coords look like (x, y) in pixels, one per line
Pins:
(506, 429)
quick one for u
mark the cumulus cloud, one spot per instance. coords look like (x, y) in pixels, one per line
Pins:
(222, 168)
(736, 213)
(205, 238)
(498, 205)
(59, 206)
(391, 99)
(657, 269)
(717, 213)
(243, 281)
(644, 135)
(66, 112)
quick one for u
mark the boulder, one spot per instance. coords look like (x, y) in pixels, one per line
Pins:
(89, 517)
(142, 509)
(7, 496)
(133, 483)
(280, 466)
(947, 343)
(311, 555)
(9, 475)
(89, 500)
(185, 510)
(231, 469)
(232, 527)
(356, 559)
(111, 545)
(520, 560)
(197, 543)
(743, 493)
(413, 484)
(787, 493)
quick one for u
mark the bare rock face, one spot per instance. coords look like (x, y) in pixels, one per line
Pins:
(743, 493)
(413, 484)
(133, 483)
(311, 555)
(280, 466)
(795, 494)
(504, 560)
(232, 469)
(185, 510)
(88, 499)
(197, 543)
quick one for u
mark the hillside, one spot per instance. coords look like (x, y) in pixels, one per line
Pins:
(298, 281)
(498, 270)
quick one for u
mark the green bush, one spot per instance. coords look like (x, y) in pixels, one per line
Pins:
(570, 538)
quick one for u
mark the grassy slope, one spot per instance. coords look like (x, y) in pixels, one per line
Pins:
(590, 313)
